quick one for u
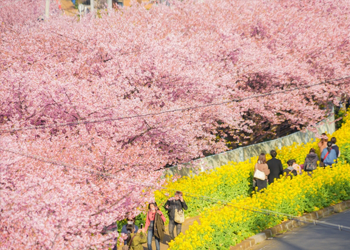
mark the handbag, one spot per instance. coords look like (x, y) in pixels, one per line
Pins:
(126, 247)
(179, 216)
(259, 175)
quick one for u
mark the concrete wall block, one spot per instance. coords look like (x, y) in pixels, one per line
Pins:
(343, 206)
(313, 216)
(302, 221)
(279, 229)
(244, 244)
(290, 225)
(273, 230)
(326, 212)
(268, 233)
(284, 226)
(330, 210)
(339, 208)
(317, 216)
(347, 203)
(258, 238)
(320, 213)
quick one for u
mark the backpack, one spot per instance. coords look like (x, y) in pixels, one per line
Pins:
(309, 165)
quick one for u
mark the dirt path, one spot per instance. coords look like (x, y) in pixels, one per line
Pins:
(68, 7)
(163, 245)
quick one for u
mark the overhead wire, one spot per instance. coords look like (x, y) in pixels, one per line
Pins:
(196, 196)
(171, 110)
(11, 3)
(59, 163)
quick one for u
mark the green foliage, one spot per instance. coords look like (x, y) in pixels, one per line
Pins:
(345, 153)
(139, 219)
(339, 113)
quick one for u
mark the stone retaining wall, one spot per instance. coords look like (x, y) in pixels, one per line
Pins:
(245, 153)
(289, 225)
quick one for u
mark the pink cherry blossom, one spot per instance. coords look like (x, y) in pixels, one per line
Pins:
(134, 62)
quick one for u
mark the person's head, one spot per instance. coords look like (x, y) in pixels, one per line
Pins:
(130, 220)
(329, 144)
(152, 206)
(324, 137)
(273, 153)
(178, 194)
(293, 161)
(312, 150)
(334, 140)
(290, 163)
(262, 158)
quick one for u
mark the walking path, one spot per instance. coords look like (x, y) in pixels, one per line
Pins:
(68, 8)
(163, 245)
(313, 237)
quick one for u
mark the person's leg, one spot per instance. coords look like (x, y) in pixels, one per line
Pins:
(178, 229)
(157, 240)
(259, 184)
(149, 239)
(171, 229)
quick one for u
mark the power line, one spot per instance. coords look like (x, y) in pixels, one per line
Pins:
(66, 165)
(172, 110)
(11, 3)
(224, 202)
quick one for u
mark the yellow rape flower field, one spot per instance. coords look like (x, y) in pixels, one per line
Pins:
(225, 225)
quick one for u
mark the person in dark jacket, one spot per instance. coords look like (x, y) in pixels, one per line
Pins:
(334, 146)
(275, 166)
(311, 161)
(130, 221)
(176, 202)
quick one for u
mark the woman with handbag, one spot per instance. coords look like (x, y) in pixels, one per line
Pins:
(175, 207)
(150, 223)
(261, 171)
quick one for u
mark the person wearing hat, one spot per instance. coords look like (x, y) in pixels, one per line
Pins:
(150, 223)
(176, 202)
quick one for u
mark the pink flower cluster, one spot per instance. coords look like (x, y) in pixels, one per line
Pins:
(113, 69)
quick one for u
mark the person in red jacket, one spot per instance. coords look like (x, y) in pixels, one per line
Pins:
(149, 227)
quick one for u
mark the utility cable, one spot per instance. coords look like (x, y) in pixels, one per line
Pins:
(213, 200)
(171, 110)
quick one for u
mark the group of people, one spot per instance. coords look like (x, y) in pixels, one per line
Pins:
(154, 226)
(268, 171)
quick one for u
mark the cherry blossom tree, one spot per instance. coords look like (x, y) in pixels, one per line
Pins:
(80, 151)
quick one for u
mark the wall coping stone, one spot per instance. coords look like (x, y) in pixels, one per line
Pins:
(290, 224)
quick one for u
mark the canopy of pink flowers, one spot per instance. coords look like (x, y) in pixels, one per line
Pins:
(133, 62)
